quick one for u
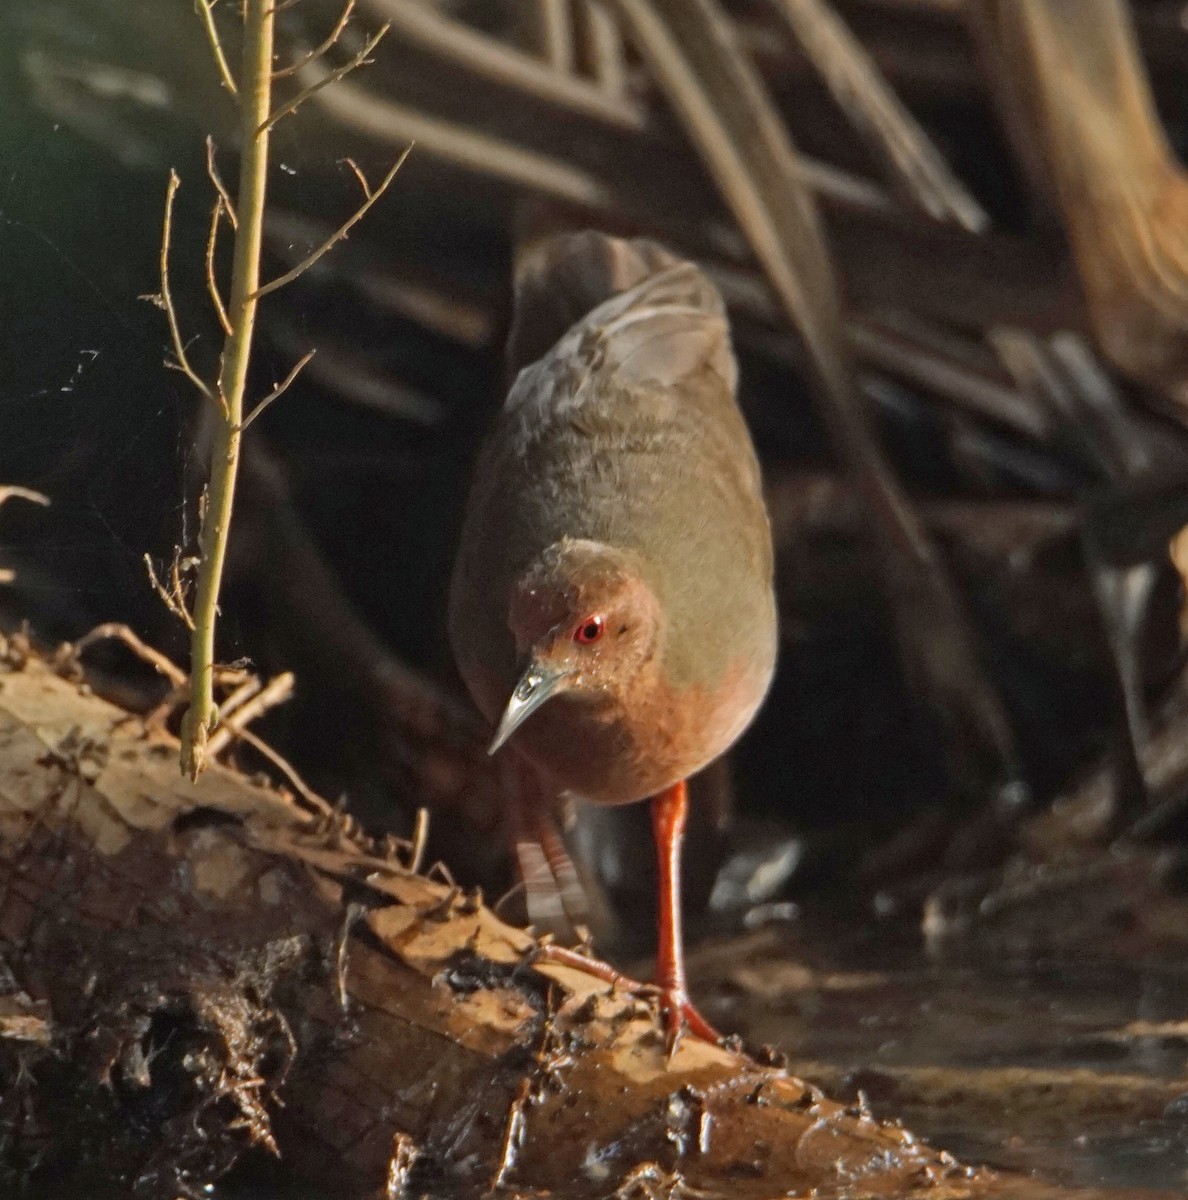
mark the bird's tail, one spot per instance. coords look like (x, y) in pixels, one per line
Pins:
(560, 279)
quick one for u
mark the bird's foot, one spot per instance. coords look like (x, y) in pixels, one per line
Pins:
(680, 1016)
(677, 1010)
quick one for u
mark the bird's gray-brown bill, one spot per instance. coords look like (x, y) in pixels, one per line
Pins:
(536, 685)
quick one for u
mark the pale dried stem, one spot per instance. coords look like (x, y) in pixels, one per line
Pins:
(911, 160)
(13, 492)
(333, 76)
(341, 232)
(429, 28)
(114, 631)
(553, 33)
(317, 803)
(1080, 106)
(331, 38)
(513, 1137)
(364, 185)
(250, 708)
(419, 842)
(601, 45)
(239, 697)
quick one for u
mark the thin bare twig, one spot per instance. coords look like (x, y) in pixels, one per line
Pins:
(390, 122)
(181, 361)
(277, 391)
(216, 179)
(212, 284)
(11, 492)
(341, 232)
(239, 697)
(364, 185)
(114, 631)
(206, 9)
(323, 48)
(174, 597)
(331, 77)
(317, 803)
(250, 708)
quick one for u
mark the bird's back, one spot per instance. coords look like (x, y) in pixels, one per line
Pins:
(622, 429)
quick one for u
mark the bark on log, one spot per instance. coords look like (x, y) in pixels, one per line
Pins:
(190, 969)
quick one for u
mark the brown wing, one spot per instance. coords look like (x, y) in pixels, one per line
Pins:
(562, 279)
(626, 431)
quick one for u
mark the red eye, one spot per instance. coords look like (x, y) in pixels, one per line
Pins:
(589, 631)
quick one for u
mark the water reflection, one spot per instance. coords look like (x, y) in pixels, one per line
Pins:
(1077, 1074)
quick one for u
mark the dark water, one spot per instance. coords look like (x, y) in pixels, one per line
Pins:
(1074, 1074)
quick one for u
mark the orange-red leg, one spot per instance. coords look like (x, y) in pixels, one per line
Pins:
(669, 811)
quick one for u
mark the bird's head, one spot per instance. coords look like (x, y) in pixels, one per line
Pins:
(585, 624)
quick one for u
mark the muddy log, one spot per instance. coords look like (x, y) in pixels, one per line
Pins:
(192, 970)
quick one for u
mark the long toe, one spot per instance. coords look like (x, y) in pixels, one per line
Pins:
(681, 1016)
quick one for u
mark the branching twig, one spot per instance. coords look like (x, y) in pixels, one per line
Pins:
(174, 596)
(332, 77)
(277, 391)
(181, 360)
(254, 102)
(112, 631)
(237, 316)
(364, 185)
(253, 705)
(318, 51)
(372, 195)
(212, 172)
(237, 699)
